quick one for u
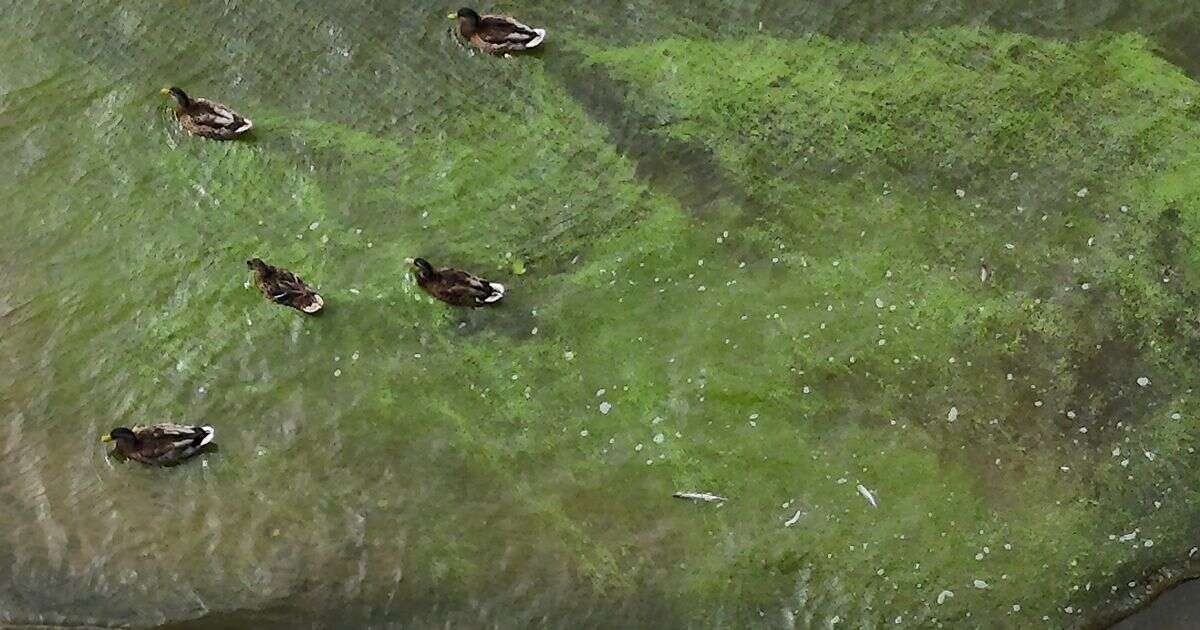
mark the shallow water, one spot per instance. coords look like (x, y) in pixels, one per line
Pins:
(737, 263)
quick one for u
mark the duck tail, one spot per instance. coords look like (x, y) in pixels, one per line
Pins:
(247, 125)
(209, 434)
(538, 38)
(497, 293)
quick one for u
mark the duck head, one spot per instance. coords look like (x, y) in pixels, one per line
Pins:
(120, 434)
(181, 97)
(423, 268)
(468, 20)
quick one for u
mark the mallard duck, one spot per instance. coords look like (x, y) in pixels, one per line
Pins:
(163, 444)
(202, 117)
(284, 287)
(454, 286)
(496, 34)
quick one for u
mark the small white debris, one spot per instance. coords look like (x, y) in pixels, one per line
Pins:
(658, 438)
(583, 433)
(795, 519)
(706, 497)
(1128, 537)
(1143, 381)
(1148, 543)
(943, 596)
(868, 495)
(1082, 192)
(878, 303)
(953, 415)
(314, 225)
(961, 193)
(568, 355)
(605, 407)
(1014, 176)
(980, 584)
(337, 372)
(601, 392)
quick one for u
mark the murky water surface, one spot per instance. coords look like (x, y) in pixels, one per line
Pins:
(745, 246)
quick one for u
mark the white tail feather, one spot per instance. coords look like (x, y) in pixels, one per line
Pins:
(537, 41)
(211, 434)
(497, 293)
(246, 127)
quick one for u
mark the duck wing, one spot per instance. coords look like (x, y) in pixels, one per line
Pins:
(168, 440)
(469, 288)
(214, 115)
(502, 30)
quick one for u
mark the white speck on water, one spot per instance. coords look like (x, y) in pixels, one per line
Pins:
(1149, 455)
(1176, 416)
(658, 438)
(638, 447)
(1014, 176)
(1143, 381)
(1071, 414)
(314, 225)
(1085, 286)
(1009, 246)
(601, 392)
(605, 407)
(201, 390)
(1082, 192)
(583, 433)
(354, 357)
(568, 355)
(795, 519)
(953, 415)
(701, 288)
(754, 416)
(534, 331)
(961, 193)
(1148, 543)
(878, 303)
(1091, 241)
(943, 596)
(980, 584)
(337, 372)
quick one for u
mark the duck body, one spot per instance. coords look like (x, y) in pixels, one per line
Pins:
(497, 34)
(164, 444)
(456, 287)
(208, 119)
(284, 287)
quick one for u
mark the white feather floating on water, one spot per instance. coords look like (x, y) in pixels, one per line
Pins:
(868, 495)
(795, 519)
(700, 496)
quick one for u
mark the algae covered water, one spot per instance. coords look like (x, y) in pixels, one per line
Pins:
(809, 256)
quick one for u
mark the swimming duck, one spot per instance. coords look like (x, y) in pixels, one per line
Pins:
(454, 286)
(496, 34)
(284, 287)
(202, 117)
(164, 444)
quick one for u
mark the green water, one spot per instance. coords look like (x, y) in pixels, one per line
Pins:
(743, 244)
